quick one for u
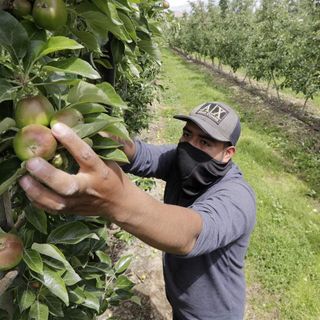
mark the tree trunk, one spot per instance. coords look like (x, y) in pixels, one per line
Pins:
(305, 104)
(276, 86)
(244, 79)
(268, 86)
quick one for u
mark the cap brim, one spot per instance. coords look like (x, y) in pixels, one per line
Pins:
(208, 129)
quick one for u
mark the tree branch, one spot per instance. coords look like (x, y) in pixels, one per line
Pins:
(8, 209)
(5, 4)
(20, 221)
(7, 280)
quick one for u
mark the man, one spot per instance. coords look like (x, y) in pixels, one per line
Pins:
(204, 225)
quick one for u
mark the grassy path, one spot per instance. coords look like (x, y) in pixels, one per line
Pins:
(283, 262)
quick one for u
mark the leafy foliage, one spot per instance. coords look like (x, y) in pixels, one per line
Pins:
(87, 64)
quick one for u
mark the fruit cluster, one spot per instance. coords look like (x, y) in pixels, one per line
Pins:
(33, 116)
(47, 14)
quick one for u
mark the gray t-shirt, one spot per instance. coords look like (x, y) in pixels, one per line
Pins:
(208, 283)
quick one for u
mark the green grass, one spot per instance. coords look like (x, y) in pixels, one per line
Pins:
(283, 260)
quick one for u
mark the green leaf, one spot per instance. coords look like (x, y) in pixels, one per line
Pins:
(6, 124)
(13, 36)
(76, 314)
(39, 311)
(98, 24)
(52, 251)
(123, 282)
(155, 28)
(124, 7)
(104, 143)
(52, 280)
(33, 31)
(118, 129)
(109, 9)
(71, 233)
(89, 129)
(122, 264)
(12, 175)
(104, 93)
(103, 257)
(90, 108)
(88, 40)
(91, 301)
(59, 43)
(113, 155)
(77, 295)
(71, 277)
(128, 24)
(25, 299)
(74, 66)
(133, 69)
(151, 48)
(103, 62)
(94, 117)
(33, 260)
(37, 217)
(115, 99)
(34, 50)
(55, 306)
(118, 50)
(6, 90)
(101, 23)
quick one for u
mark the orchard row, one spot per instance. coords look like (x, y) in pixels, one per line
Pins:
(275, 41)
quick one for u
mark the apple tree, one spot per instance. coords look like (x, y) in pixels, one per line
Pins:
(60, 61)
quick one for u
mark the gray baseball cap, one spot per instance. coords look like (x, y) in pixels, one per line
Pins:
(217, 119)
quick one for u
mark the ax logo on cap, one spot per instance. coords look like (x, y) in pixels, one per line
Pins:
(213, 111)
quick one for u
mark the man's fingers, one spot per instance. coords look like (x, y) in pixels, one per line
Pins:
(80, 151)
(58, 180)
(41, 195)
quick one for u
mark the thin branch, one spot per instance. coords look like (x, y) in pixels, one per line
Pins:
(20, 221)
(7, 280)
(8, 209)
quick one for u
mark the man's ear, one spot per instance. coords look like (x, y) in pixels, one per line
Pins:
(229, 153)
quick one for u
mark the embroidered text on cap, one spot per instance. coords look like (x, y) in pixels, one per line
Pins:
(213, 111)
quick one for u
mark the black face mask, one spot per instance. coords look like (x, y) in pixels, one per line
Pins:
(198, 170)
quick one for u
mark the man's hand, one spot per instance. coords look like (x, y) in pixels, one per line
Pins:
(102, 189)
(88, 192)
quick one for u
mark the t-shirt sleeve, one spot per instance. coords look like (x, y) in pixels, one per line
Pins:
(151, 160)
(227, 215)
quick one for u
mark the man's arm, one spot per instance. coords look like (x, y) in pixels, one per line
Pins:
(103, 189)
